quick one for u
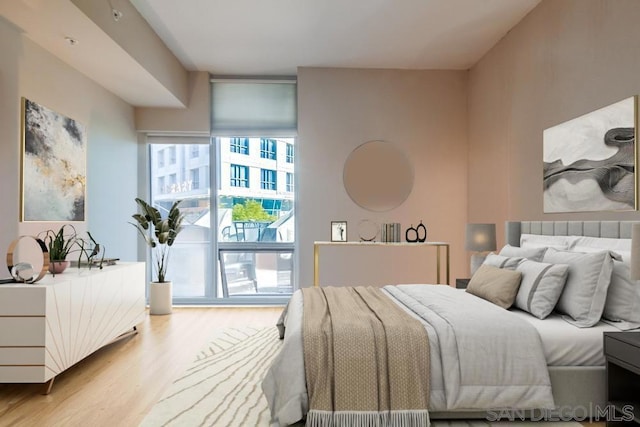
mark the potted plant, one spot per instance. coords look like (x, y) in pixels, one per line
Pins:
(159, 234)
(59, 246)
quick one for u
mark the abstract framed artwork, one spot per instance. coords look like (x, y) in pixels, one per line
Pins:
(338, 231)
(54, 153)
(590, 161)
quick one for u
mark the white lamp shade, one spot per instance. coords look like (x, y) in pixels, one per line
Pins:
(635, 252)
(481, 237)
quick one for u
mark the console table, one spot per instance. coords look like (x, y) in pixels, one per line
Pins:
(47, 327)
(437, 245)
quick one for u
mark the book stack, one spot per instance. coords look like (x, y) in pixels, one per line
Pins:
(391, 232)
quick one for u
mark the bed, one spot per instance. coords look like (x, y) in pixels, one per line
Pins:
(570, 348)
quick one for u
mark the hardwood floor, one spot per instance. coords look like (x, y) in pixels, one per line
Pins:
(118, 385)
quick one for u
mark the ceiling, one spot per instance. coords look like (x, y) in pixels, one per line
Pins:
(258, 37)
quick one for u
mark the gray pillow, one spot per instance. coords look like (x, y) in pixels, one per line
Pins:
(502, 261)
(623, 298)
(585, 292)
(534, 254)
(496, 285)
(541, 286)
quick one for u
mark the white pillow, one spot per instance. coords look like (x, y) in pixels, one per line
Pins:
(615, 245)
(510, 263)
(622, 305)
(541, 286)
(585, 292)
(534, 254)
(540, 241)
(623, 298)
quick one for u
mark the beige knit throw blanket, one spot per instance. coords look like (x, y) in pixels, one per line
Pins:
(366, 360)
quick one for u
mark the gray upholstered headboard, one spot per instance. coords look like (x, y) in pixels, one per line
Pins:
(611, 229)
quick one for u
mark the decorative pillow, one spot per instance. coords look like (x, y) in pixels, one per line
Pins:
(502, 261)
(602, 243)
(540, 241)
(622, 306)
(585, 292)
(496, 285)
(532, 253)
(540, 287)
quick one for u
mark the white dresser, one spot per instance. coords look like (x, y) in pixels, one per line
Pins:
(47, 327)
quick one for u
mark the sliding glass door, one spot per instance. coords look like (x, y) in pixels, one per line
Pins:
(241, 251)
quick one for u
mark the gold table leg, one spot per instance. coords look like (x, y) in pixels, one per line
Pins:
(316, 272)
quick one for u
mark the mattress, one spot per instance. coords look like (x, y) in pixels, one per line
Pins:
(568, 345)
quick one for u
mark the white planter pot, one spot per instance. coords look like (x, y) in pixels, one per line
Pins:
(160, 297)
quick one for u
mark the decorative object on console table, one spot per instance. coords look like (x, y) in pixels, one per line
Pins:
(622, 353)
(338, 231)
(159, 234)
(368, 230)
(462, 283)
(480, 238)
(54, 153)
(62, 244)
(391, 232)
(22, 272)
(416, 234)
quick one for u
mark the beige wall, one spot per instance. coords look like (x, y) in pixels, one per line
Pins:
(27, 70)
(193, 119)
(135, 35)
(423, 112)
(566, 58)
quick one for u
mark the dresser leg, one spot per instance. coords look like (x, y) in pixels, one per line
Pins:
(49, 385)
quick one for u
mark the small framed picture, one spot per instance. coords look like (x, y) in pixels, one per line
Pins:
(338, 231)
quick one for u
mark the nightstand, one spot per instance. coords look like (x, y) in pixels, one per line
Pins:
(622, 352)
(462, 283)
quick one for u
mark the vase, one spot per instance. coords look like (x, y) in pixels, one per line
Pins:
(160, 297)
(57, 267)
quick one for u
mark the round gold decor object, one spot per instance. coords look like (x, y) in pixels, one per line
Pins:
(23, 272)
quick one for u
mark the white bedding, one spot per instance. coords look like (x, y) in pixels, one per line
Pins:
(482, 357)
(568, 345)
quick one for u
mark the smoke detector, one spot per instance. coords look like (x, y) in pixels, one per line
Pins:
(116, 14)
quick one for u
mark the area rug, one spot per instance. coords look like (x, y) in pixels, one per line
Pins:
(222, 386)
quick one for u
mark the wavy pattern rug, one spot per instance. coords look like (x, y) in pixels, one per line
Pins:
(222, 386)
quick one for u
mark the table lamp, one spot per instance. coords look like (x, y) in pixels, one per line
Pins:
(481, 238)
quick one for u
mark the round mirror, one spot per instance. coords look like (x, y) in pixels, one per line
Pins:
(378, 176)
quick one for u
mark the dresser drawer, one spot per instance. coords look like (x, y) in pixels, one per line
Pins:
(623, 351)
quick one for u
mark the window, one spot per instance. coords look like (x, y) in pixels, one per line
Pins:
(190, 264)
(160, 157)
(268, 148)
(195, 179)
(239, 145)
(267, 179)
(161, 189)
(289, 153)
(289, 182)
(239, 176)
(172, 155)
(195, 151)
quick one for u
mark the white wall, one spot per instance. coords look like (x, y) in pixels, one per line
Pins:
(423, 112)
(27, 70)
